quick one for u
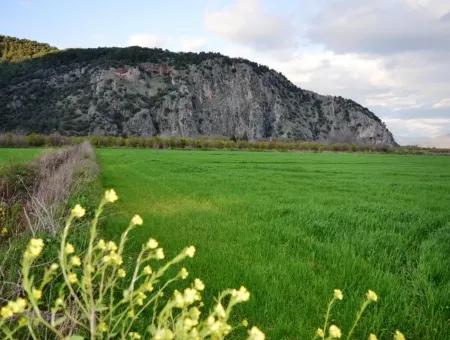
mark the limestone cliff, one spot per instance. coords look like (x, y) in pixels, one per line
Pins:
(149, 92)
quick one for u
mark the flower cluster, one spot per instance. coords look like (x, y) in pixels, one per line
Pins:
(34, 248)
(12, 308)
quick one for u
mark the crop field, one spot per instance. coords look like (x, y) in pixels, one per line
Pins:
(11, 156)
(291, 227)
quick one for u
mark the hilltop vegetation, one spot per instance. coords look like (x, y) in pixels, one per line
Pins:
(17, 50)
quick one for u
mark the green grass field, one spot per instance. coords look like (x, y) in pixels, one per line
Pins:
(12, 156)
(291, 227)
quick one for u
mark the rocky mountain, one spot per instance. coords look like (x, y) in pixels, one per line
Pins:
(146, 92)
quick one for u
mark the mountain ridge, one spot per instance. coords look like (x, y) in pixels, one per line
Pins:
(146, 92)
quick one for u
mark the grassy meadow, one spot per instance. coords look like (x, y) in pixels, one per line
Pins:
(11, 156)
(291, 227)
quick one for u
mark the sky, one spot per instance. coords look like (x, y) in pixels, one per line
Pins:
(392, 56)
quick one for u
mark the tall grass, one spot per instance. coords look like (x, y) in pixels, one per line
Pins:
(35, 194)
(60, 173)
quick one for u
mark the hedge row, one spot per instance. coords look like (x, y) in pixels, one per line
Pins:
(36, 140)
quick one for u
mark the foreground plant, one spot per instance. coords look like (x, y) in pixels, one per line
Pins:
(99, 298)
(334, 332)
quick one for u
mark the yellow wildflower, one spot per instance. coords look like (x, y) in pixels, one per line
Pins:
(102, 327)
(147, 270)
(194, 312)
(34, 247)
(6, 312)
(338, 294)
(190, 296)
(320, 333)
(137, 220)
(334, 332)
(178, 299)
(17, 306)
(101, 245)
(121, 272)
(54, 266)
(188, 323)
(198, 284)
(134, 335)
(111, 245)
(69, 249)
(255, 334)
(148, 287)
(159, 253)
(372, 336)
(23, 321)
(78, 211)
(37, 294)
(163, 334)
(372, 296)
(152, 244)
(72, 277)
(190, 251)
(140, 298)
(183, 273)
(111, 196)
(399, 335)
(21, 304)
(75, 261)
(113, 258)
(241, 295)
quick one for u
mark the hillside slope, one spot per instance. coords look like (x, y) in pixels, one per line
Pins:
(139, 91)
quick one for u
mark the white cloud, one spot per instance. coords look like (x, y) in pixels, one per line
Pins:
(383, 27)
(145, 40)
(423, 132)
(437, 8)
(444, 103)
(246, 23)
(192, 44)
(439, 141)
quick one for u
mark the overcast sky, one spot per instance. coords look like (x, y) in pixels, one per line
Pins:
(392, 56)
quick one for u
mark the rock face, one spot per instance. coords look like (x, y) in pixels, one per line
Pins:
(197, 95)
